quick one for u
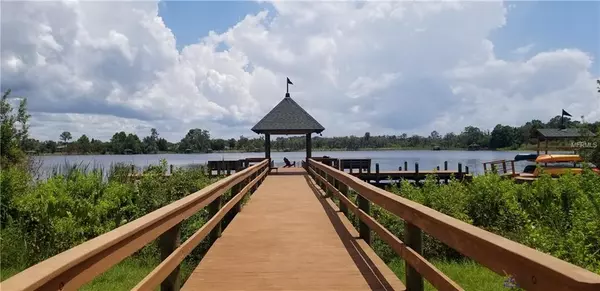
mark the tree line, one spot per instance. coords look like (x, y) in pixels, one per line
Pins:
(200, 141)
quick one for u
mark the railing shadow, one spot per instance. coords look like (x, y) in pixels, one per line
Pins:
(288, 171)
(366, 266)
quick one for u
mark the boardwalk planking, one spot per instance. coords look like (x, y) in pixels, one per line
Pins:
(284, 240)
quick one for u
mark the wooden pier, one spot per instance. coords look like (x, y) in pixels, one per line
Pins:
(292, 236)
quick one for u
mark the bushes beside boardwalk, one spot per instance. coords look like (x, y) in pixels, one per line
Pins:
(43, 218)
(559, 217)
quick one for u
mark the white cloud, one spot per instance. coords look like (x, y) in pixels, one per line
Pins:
(523, 50)
(383, 67)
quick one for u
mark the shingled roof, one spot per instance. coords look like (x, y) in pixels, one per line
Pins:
(557, 133)
(288, 118)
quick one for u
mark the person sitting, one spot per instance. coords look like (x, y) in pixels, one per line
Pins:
(288, 164)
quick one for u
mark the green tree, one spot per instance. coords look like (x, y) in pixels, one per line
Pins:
(231, 143)
(502, 136)
(83, 144)
(196, 140)
(65, 136)
(217, 144)
(13, 131)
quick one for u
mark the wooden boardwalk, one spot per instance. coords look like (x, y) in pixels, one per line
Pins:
(290, 238)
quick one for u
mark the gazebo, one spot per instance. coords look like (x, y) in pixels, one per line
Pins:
(287, 118)
(556, 134)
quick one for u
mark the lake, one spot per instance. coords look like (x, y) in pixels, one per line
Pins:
(388, 160)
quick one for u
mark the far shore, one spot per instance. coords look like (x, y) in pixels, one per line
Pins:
(282, 151)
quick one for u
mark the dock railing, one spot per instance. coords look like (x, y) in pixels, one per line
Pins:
(502, 167)
(73, 268)
(531, 269)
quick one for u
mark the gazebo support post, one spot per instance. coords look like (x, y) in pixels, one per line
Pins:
(268, 147)
(308, 149)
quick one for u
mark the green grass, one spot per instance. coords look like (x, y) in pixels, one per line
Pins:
(469, 275)
(122, 276)
(129, 273)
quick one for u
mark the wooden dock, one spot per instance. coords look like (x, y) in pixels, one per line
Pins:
(261, 251)
(411, 175)
(292, 236)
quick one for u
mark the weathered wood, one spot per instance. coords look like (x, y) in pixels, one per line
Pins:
(169, 242)
(414, 240)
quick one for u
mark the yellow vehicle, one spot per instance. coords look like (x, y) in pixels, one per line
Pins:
(556, 165)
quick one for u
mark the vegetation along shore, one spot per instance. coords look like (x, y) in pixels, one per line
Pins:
(41, 218)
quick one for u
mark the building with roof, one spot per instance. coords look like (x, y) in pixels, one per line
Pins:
(287, 117)
(558, 134)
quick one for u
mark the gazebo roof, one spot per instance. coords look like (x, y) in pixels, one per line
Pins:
(288, 118)
(566, 133)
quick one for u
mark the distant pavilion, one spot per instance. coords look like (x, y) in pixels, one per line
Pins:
(558, 134)
(288, 118)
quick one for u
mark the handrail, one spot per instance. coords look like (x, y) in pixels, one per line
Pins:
(532, 270)
(77, 266)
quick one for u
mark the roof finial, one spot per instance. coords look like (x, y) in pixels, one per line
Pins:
(287, 89)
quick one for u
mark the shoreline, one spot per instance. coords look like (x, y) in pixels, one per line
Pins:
(298, 151)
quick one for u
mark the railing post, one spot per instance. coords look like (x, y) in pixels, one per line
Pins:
(213, 208)
(405, 166)
(445, 165)
(331, 181)
(344, 191)
(363, 229)
(512, 166)
(235, 190)
(417, 180)
(413, 237)
(169, 242)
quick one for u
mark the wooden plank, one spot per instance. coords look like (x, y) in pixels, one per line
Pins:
(169, 242)
(175, 258)
(282, 240)
(77, 266)
(533, 270)
(428, 270)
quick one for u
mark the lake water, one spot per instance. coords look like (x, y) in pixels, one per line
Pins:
(388, 160)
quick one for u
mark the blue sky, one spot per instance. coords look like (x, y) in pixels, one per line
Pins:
(546, 25)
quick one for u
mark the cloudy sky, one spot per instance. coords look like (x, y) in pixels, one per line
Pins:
(383, 67)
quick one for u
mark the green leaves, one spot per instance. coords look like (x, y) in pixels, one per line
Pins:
(560, 217)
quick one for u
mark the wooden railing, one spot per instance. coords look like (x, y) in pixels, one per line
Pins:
(73, 268)
(532, 270)
(501, 167)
